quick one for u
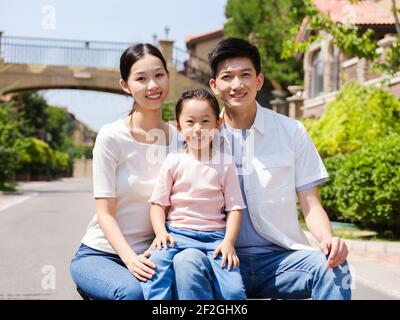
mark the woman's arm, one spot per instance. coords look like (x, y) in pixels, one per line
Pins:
(139, 265)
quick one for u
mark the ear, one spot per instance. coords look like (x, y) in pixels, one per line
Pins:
(124, 86)
(213, 86)
(260, 81)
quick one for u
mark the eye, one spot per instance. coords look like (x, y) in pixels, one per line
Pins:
(206, 121)
(225, 77)
(246, 74)
(189, 121)
(159, 75)
(139, 79)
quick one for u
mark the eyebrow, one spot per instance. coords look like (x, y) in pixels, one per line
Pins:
(142, 72)
(242, 70)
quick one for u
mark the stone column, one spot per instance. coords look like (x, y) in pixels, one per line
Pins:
(296, 102)
(166, 48)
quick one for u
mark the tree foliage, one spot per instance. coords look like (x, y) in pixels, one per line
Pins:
(356, 116)
(266, 23)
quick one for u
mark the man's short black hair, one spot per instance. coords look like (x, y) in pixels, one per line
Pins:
(233, 48)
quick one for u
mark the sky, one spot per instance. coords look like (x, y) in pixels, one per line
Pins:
(107, 20)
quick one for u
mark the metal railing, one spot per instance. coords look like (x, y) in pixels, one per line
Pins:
(58, 52)
(23, 50)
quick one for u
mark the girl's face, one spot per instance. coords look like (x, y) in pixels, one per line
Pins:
(148, 83)
(198, 123)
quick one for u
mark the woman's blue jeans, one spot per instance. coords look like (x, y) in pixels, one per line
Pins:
(103, 276)
(282, 275)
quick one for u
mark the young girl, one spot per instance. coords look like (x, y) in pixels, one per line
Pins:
(200, 185)
(112, 258)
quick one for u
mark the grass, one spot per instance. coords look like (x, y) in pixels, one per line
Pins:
(353, 233)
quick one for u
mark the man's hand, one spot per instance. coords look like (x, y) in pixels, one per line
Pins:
(337, 250)
(227, 249)
(162, 240)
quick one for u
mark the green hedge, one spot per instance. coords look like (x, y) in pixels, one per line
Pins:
(36, 157)
(357, 115)
(364, 186)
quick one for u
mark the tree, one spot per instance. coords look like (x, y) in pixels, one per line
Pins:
(266, 23)
(60, 127)
(32, 110)
(348, 38)
(9, 133)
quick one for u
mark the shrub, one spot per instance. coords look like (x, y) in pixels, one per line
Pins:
(365, 185)
(35, 156)
(357, 115)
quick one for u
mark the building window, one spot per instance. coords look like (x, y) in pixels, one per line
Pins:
(317, 76)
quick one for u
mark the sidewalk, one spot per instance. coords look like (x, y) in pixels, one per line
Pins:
(374, 264)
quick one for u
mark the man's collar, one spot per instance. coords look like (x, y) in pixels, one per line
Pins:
(258, 123)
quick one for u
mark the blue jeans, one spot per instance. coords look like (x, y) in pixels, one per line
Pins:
(103, 276)
(227, 285)
(281, 275)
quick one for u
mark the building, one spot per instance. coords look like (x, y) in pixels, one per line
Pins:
(198, 47)
(326, 68)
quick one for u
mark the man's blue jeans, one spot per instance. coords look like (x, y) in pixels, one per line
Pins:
(227, 285)
(282, 275)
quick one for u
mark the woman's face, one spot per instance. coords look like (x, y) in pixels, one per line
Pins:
(148, 83)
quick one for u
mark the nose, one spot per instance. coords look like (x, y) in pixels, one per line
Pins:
(197, 129)
(236, 83)
(152, 85)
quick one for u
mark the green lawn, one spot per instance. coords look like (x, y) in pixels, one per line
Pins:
(347, 231)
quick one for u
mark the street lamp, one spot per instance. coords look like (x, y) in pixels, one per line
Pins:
(166, 29)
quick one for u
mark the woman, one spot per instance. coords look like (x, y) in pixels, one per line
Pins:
(127, 156)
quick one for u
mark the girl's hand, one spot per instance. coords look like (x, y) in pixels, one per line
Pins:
(140, 266)
(227, 249)
(162, 240)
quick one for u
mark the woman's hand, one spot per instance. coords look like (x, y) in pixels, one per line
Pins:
(140, 266)
(227, 249)
(162, 240)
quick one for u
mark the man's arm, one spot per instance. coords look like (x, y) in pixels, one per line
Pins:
(319, 225)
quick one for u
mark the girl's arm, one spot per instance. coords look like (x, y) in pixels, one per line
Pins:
(227, 246)
(139, 265)
(233, 221)
(157, 217)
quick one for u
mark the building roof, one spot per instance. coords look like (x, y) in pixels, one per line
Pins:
(370, 12)
(196, 38)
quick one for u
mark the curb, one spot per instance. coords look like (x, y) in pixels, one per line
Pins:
(387, 247)
(372, 247)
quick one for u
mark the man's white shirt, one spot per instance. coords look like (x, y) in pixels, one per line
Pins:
(279, 158)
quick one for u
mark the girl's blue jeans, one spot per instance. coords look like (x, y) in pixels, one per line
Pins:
(226, 285)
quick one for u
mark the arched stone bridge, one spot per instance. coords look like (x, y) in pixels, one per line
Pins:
(39, 64)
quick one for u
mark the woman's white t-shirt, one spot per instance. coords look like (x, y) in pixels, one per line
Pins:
(127, 170)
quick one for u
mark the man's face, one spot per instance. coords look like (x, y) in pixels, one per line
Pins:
(236, 82)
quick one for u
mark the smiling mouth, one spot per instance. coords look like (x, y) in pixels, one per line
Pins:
(154, 96)
(238, 95)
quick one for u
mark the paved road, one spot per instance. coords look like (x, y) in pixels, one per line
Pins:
(41, 229)
(39, 233)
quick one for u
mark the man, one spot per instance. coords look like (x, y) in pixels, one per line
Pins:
(276, 160)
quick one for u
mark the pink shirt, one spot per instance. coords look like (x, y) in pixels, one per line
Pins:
(199, 192)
